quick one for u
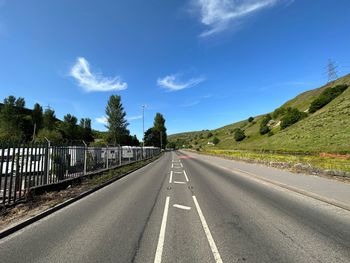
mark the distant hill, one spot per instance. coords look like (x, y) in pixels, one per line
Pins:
(326, 130)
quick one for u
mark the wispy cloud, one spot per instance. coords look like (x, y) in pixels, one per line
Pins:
(101, 120)
(219, 15)
(134, 118)
(90, 81)
(174, 83)
(196, 102)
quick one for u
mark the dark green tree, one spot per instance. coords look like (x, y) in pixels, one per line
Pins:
(159, 130)
(116, 120)
(69, 127)
(85, 130)
(216, 140)
(49, 119)
(37, 118)
(239, 135)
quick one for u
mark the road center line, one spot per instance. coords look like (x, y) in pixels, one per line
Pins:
(186, 176)
(182, 207)
(171, 177)
(159, 252)
(211, 241)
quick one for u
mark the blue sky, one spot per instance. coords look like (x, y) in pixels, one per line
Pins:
(201, 63)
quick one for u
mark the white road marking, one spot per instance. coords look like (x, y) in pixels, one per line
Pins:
(211, 241)
(159, 252)
(177, 172)
(181, 165)
(172, 165)
(171, 177)
(182, 207)
(186, 176)
(177, 182)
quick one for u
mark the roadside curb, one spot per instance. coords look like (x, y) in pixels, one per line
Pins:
(8, 231)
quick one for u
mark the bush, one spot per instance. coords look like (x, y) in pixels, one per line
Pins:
(278, 112)
(216, 140)
(326, 97)
(270, 133)
(239, 135)
(263, 125)
(209, 135)
(250, 119)
(292, 116)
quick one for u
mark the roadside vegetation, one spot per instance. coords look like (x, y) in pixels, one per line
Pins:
(314, 122)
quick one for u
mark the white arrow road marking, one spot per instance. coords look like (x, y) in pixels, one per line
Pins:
(159, 252)
(182, 207)
(211, 241)
(186, 176)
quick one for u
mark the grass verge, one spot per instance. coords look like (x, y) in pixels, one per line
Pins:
(37, 204)
(311, 164)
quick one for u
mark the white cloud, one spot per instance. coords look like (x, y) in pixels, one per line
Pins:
(102, 120)
(134, 118)
(218, 15)
(173, 83)
(90, 81)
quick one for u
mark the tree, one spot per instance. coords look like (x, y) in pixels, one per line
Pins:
(37, 118)
(326, 97)
(12, 119)
(49, 119)
(264, 128)
(159, 130)
(86, 131)
(69, 127)
(116, 120)
(239, 135)
(250, 119)
(53, 136)
(216, 140)
(292, 116)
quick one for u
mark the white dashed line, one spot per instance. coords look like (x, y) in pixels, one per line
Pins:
(177, 182)
(171, 177)
(186, 176)
(159, 252)
(211, 241)
(182, 207)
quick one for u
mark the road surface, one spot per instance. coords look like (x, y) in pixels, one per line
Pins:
(185, 209)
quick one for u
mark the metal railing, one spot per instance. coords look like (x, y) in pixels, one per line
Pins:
(23, 166)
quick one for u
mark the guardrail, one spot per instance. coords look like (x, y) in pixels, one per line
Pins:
(24, 166)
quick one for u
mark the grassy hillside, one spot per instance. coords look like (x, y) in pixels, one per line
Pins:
(326, 130)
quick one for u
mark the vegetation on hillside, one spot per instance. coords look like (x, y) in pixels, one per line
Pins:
(290, 128)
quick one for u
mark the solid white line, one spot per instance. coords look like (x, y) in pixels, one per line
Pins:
(159, 252)
(171, 177)
(182, 207)
(172, 165)
(186, 176)
(211, 241)
(181, 165)
(177, 182)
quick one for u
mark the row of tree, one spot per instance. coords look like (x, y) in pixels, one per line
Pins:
(18, 123)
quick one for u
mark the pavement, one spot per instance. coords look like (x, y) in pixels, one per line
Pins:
(186, 208)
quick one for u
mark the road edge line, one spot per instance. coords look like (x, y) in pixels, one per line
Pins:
(160, 245)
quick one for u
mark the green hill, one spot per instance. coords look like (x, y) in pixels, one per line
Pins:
(326, 130)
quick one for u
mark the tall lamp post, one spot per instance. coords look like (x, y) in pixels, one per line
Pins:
(143, 128)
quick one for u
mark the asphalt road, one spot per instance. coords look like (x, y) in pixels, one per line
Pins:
(185, 209)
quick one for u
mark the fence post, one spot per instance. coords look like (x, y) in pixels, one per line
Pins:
(47, 161)
(85, 157)
(107, 156)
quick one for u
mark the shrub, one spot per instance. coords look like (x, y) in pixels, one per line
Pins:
(270, 133)
(292, 116)
(326, 97)
(209, 135)
(251, 119)
(278, 112)
(216, 140)
(263, 125)
(239, 135)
